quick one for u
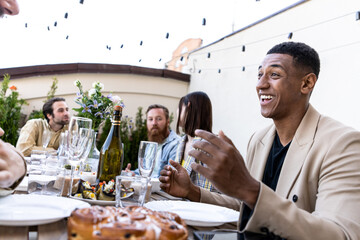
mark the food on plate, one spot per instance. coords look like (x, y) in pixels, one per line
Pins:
(106, 191)
(132, 222)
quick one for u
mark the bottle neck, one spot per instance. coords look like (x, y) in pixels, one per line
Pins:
(117, 117)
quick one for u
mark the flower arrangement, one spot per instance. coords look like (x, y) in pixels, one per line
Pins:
(94, 105)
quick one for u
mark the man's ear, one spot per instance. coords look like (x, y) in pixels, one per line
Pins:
(308, 83)
(48, 115)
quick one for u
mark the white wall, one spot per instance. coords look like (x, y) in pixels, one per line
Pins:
(135, 90)
(329, 26)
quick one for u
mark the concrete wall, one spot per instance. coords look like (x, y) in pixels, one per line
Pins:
(135, 90)
(329, 26)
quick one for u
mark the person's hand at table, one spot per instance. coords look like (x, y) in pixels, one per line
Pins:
(12, 165)
(225, 167)
(176, 182)
(128, 169)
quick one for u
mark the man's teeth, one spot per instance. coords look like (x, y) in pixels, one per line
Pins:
(266, 97)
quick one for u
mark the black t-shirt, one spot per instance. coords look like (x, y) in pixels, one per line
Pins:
(271, 173)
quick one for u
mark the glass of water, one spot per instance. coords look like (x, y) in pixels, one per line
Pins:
(147, 157)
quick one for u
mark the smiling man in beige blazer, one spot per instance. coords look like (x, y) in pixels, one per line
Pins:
(302, 174)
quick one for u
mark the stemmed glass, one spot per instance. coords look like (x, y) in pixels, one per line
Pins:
(78, 138)
(146, 158)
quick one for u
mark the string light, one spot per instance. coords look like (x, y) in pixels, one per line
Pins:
(290, 36)
(243, 46)
(276, 36)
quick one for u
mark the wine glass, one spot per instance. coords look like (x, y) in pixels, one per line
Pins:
(147, 157)
(78, 138)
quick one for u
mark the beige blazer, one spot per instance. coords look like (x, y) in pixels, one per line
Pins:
(318, 192)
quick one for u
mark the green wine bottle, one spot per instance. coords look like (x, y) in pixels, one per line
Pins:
(111, 160)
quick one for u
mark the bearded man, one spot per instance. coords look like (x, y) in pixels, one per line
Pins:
(157, 123)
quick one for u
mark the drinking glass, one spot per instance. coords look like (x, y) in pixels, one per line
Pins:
(131, 190)
(46, 138)
(147, 157)
(78, 137)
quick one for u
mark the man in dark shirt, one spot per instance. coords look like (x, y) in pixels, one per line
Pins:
(301, 179)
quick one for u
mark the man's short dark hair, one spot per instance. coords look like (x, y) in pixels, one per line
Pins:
(166, 111)
(47, 107)
(303, 55)
(198, 113)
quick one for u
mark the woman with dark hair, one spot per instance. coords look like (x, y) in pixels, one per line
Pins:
(194, 112)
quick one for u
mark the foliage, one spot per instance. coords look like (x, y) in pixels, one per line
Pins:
(131, 134)
(50, 95)
(94, 105)
(10, 111)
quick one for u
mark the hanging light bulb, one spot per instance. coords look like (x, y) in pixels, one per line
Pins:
(290, 36)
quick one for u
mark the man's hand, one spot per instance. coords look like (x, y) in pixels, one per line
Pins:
(225, 168)
(177, 182)
(12, 165)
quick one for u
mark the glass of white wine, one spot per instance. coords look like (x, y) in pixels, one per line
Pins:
(147, 158)
(78, 138)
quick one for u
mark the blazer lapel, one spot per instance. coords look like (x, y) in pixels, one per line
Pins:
(298, 150)
(261, 154)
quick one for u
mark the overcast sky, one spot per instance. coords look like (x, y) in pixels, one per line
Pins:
(111, 31)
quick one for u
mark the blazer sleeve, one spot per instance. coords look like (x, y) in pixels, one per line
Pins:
(219, 199)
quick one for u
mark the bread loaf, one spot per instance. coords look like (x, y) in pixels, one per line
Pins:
(132, 222)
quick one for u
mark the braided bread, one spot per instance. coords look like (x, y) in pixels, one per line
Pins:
(132, 222)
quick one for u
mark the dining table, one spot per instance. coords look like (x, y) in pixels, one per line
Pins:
(58, 229)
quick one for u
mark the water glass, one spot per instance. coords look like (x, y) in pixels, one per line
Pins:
(130, 190)
(147, 157)
(42, 178)
(37, 157)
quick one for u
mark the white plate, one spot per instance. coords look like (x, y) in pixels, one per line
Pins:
(96, 202)
(28, 210)
(197, 214)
